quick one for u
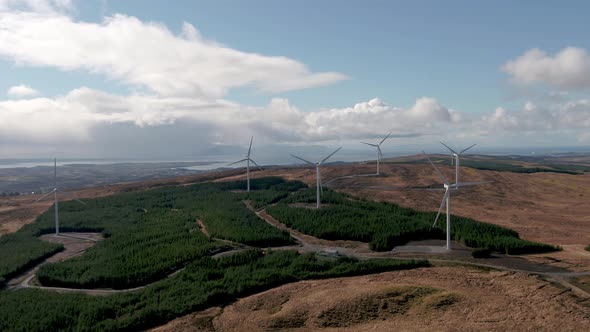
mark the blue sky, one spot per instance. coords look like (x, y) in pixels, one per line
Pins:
(454, 53)
(395, 50)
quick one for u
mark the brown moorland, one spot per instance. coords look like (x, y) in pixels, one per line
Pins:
(546, 207)
(430, 299)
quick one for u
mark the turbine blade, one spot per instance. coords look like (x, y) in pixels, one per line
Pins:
(42, 198)
(441, 206)
(467, 148)
(453, 151)
(250, 148)
(386, 137)
(306, 161)
(442, 177)
(253, 162)
(239, 161)
(371, 144)
(55, 172)
(70, 196)
(380, 153)
(331, 154)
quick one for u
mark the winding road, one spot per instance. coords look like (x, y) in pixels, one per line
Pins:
(309, 244)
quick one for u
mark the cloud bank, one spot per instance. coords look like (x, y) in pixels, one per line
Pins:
(181, 83)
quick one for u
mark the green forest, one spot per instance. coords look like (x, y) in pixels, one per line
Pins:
(203, 283)
(147, 234)
(385, 225)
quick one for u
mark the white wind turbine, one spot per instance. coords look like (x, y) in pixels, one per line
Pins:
(55, 193)
(455, 155)
(447, 198)
(318, 175)
(379, 153)
(247, 160)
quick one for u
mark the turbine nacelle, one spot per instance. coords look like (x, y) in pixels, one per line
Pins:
(378, 146)
(318, 173)
(455, 160)
(248, 160)
(56, 192)
(447, 197)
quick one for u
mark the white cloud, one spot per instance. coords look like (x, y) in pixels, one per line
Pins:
(21, 91)
(187, 76)
(81, 110)
(36, 5)
(568, 116)
(147, 54)
(82, 113)
(372, 118)
(569, 68)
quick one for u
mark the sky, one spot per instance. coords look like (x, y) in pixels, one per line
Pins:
(196, 79)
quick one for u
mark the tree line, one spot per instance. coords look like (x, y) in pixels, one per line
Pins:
(385, 225)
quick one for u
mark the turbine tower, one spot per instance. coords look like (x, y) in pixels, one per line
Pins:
(447, 198)
(247, 160)
(455, 156)
(378, 146)
(318, 174)
(55, 191)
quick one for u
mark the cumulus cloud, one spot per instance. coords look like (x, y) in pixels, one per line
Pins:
(569, 68)
(147, 54)
(81, 110)
(82, 113)
(372, 118)
(21, 91)
(568, 116)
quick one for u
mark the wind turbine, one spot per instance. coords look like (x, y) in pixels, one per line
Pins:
(378, 146)
(247, 160)
(447, 198)
(318, 174)
(455, 155)
(55, 193)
